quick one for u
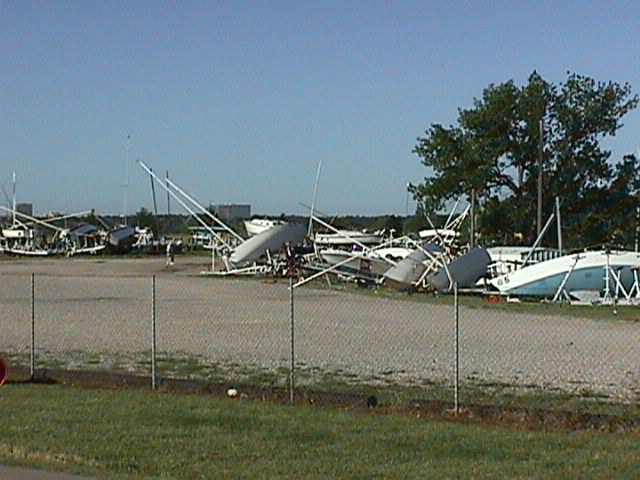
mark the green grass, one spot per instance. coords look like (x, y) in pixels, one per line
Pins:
(202, 371)
(476, 301)
(136, 434)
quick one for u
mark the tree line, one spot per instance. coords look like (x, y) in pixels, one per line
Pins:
(517, 149)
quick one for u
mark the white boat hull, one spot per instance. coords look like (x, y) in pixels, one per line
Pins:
(272, 239)
(585, 271)
(259, 225)
(346, 238)
(374, 263)
(12, 233)
(28, 253)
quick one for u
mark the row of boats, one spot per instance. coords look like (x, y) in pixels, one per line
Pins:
(22, 239)
(433, 260)
(38, 237)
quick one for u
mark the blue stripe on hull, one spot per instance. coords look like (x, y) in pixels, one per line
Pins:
(585, 279)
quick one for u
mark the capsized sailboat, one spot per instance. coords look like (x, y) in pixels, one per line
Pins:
(22, 239)
(604, 271)
(409, 271)
(370, 263)
(239, 256)
(465, 271)
(342, 238)
(272, 239)
(259, 225)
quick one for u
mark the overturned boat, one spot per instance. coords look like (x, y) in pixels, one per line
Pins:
(464, 271)
(259, 225)
(23, 241)
(412, 269)
(344, 238)
(608, 272)
(270, 240)
(507, 258)
(372, 264)
(122, 239)
(83, 239)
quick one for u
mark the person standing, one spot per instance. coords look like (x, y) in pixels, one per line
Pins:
(170, 253)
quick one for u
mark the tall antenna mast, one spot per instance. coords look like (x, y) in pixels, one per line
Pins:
(126, 178)
(14, 199)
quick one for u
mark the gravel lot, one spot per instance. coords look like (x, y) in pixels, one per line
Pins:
(89, 308)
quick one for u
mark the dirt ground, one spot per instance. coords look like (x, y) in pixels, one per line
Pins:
(101, 303)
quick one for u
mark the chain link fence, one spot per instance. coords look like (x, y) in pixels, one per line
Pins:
(261, 332)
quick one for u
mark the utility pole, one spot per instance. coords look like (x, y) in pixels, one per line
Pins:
(126, 179)
(406, 201)
(540, 155)
(472, 236)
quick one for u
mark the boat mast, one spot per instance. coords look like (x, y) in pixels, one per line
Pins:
(168, 196)
(171, 186)
(13, 206)
(37, 221)
(539, 239)
(313, 201)
(559, 225)
(637, 223)
(540, 159)
(637, 203)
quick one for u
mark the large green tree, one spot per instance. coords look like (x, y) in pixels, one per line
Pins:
(497, 146)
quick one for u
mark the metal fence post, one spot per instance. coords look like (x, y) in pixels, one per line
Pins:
(32, 359)
(456, 402)
(293, 361)
(153, 332)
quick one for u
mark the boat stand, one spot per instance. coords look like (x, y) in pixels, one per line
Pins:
(561, 290)
(620, 294)
(636, 285)
(251, 270)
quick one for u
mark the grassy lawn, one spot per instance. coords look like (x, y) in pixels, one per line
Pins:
(136, 434)
(516, 307)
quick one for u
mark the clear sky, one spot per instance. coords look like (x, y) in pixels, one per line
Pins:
(240, 100)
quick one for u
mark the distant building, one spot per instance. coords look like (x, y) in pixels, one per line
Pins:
(231, 211)
(53, 214)
(25, 208)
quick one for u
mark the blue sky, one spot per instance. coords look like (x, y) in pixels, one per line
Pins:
(241, 100)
